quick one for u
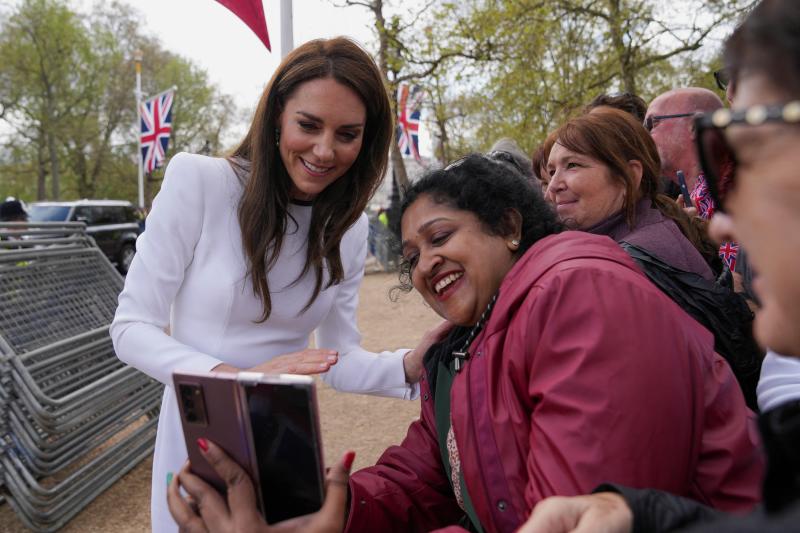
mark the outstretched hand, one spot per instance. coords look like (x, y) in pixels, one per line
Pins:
(604, 512)
(308, 361)
(205, 510)
(412, 361)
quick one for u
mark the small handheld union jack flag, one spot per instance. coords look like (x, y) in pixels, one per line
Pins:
(701, 197)
(155, 117)
(408, 114)
(728, 252)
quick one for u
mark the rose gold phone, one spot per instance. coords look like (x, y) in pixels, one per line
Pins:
(288, 445)
(211, 408)
(267, 423)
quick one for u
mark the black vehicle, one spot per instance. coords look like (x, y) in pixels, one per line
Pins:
(113, 224)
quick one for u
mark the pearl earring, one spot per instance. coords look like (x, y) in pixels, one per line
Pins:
(514, 243)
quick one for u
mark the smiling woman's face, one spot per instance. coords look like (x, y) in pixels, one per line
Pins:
(321, 132)
(455, 264)
(581, 188)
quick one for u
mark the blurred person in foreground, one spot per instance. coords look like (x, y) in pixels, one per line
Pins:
(566, 366)
(762, 207)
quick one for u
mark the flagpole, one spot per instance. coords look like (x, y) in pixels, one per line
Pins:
(287, 28)
(137, 57)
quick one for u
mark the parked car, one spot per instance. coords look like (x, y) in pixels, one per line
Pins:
(113, 224)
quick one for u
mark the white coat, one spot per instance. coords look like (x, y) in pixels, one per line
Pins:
(189, 278)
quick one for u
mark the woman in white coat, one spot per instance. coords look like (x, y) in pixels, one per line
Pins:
(243, 258)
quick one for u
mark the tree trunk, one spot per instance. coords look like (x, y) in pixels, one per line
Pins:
(615, 23)
(41, 171)
(54, 170)
(398, 165)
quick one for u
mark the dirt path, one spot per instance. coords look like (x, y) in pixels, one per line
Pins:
(363, 423)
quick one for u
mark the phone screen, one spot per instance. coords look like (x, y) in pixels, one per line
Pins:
(287, 449)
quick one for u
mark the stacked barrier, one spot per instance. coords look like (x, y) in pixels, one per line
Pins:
(73, 418)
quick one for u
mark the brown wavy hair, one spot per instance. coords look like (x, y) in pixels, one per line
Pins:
(263, 209)
(615, 137)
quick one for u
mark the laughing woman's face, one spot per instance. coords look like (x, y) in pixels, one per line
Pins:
(455, 264)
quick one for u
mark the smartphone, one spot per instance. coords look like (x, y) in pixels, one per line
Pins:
(687, 199)
(267, 423)
(288, 447)
(211, 408)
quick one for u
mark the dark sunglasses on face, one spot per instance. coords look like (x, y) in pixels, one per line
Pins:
(723, 78)
(717, 158)
(653, 120)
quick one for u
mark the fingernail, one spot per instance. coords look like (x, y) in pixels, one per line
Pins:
(324, 365)
(203, 444)
(169, 479)
(348, 459)
(332, 358)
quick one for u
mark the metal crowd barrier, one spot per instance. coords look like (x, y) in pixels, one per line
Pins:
(73, 418)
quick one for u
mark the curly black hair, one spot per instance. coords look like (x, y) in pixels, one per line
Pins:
(488, 189)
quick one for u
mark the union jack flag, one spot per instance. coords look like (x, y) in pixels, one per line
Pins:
(701, 197)
(408, 113)
(155, 117)
(728, 252)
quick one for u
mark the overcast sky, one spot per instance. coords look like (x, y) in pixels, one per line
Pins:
(215, 39)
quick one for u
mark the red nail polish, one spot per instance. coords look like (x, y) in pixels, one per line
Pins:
(203, 444)
(348, 459)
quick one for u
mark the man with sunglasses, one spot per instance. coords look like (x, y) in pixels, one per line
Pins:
(669, 121)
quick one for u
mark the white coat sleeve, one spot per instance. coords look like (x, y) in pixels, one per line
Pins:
(358, 370)
(163, 252)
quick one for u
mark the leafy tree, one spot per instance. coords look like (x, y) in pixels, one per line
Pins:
(405, 57)
(518, 68)
(66, 93)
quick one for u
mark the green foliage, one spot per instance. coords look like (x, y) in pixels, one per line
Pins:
(518, 68)
(67, 94)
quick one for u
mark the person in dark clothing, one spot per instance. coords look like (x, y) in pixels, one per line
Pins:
(12, 211)
(763, 202)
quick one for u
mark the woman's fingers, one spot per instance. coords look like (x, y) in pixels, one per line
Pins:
(331, 516)
(183, 513)
(311, 361)
(210, 504)
(241, 493)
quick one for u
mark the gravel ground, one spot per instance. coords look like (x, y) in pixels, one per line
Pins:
(365, 424)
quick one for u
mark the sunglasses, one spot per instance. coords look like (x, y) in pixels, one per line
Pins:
(723, 78)
(717, 158)
(652, 121)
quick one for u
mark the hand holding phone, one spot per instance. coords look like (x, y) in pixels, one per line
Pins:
(266, 423)
(240, 505)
